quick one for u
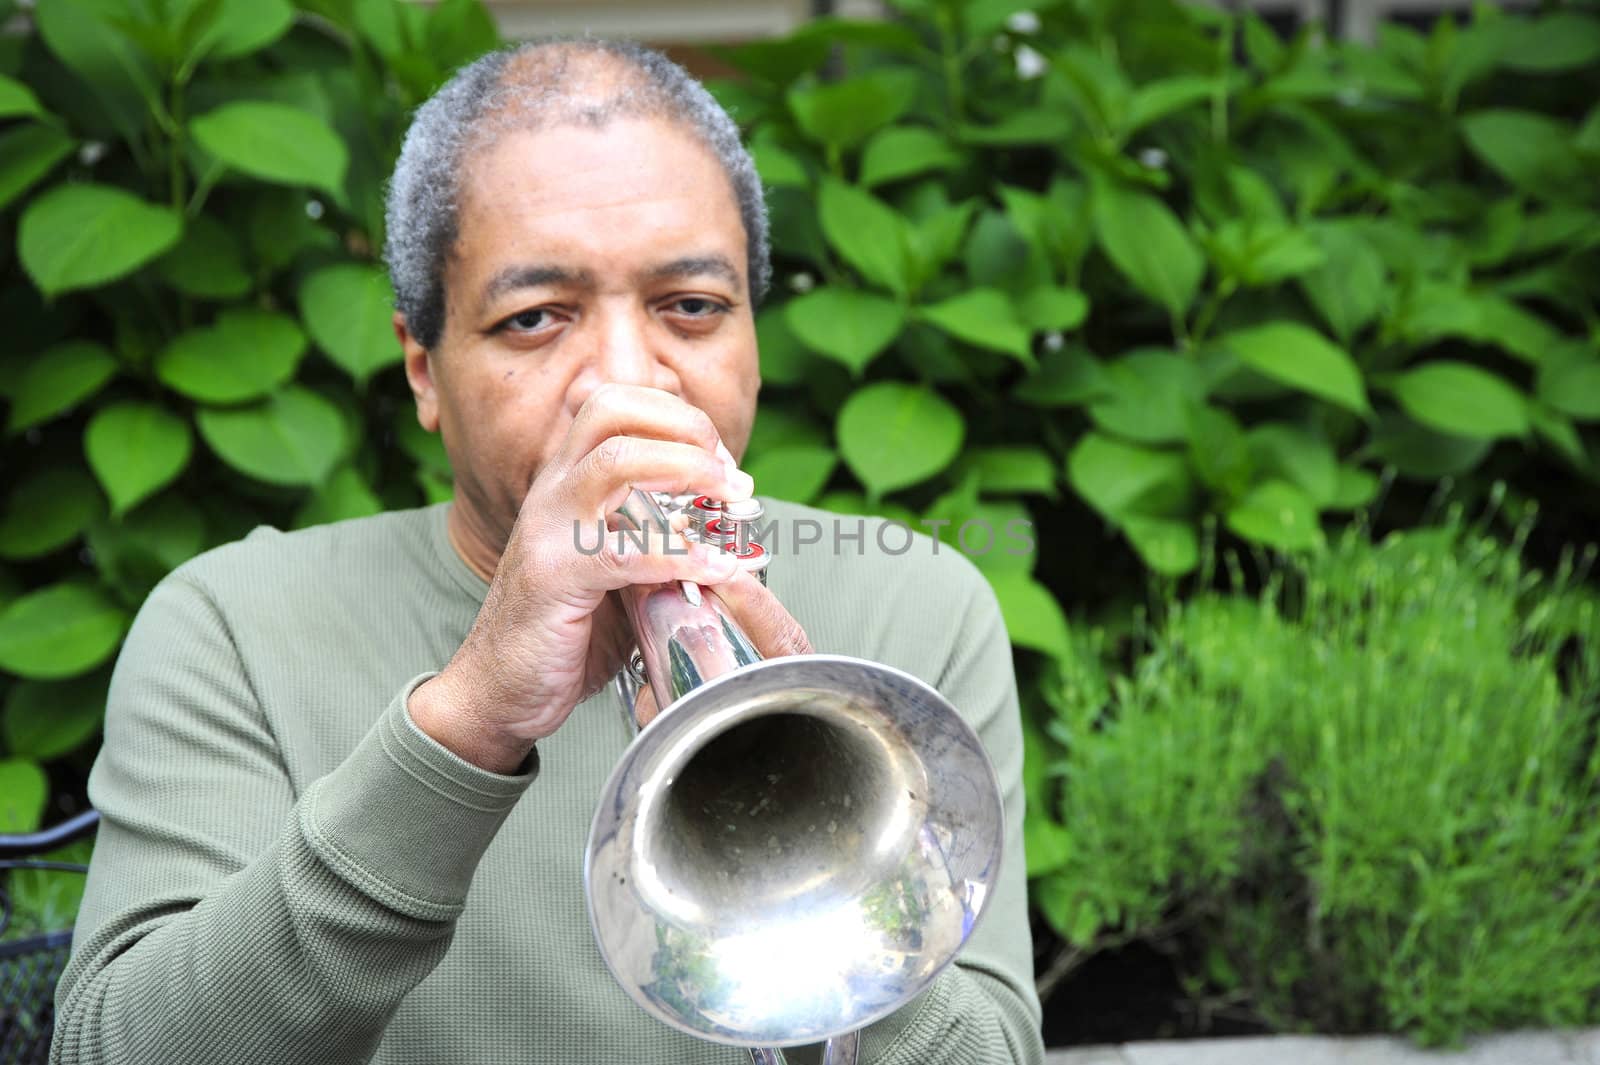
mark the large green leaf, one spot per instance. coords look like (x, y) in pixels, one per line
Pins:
(985, 318)
(1278, 514)
(77, 236)
(797, 473)
(1347, 289)
(867, 234)
(904, 151)
(1120, 479)
(24, 790)
(244, 26)
(294, 438)
(46, 510)
(28, 153)
(59, 631)
(1437, 310)
(1532, 151)
(16, 99)
(459, 31)
(1461, 399)
(1560, 433)
(845, 113)
(1053, 308)
(1003, 470)
(206, 263)
(57, 380)
(893, 435)
(47, 719)
(1220, 451)
(1149, 245)
(1037, 125)
(245, 355)
(1261, 254)
(784, 359)
(1058, 223)
(1549, 44)
(135, 551)
(1301, 358)
(349, 310)
(1168, 546)
(83, 35)
(343, 496)
(998, 255)
(135, 448)
(844, 324)
(1299, 456)
(1066, 377)
(1150, 394)
(778, 167)
(1033, 617)
(274, 142)
(1159, 99)
(1569, 381)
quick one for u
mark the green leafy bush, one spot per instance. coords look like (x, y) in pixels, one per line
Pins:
(199, 339)
(1364, 798)
(1164, 262)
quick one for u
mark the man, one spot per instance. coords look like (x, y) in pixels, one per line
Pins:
(348, 772)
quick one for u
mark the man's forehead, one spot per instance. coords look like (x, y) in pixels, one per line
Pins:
(521, 276)
(526, 209)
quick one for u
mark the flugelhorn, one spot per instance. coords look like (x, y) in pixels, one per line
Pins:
(794, 847)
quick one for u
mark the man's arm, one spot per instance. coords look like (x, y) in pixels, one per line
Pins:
(226, 919)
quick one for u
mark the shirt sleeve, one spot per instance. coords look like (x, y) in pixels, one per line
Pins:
(226, 918)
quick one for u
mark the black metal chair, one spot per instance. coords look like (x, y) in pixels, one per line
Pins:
(30, 967)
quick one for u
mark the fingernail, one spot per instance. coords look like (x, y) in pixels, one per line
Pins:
(744, 486)
(726, 456)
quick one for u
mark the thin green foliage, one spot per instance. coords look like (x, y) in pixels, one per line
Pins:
(1363, 797)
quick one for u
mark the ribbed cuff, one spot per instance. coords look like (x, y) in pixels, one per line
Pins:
(405, 820)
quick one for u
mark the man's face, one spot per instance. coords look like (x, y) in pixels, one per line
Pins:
(584, 256)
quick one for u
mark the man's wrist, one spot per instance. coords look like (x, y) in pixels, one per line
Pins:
(437, 710)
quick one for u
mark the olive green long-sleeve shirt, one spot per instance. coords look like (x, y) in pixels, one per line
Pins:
(290, 871)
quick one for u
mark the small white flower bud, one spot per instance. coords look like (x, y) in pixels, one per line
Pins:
(1030, 64)
(1023, 22)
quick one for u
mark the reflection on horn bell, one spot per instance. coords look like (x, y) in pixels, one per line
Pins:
(795, 847)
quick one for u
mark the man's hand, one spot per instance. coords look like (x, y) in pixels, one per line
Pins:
(548, 634)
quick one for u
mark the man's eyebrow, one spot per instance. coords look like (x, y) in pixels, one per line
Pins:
(713, 265)
(527, 275)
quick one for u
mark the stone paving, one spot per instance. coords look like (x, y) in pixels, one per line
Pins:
(1574, 1047)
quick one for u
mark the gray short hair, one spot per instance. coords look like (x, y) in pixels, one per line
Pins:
(531, 86)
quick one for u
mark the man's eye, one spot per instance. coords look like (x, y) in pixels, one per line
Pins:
(529, 321)
(697, 307)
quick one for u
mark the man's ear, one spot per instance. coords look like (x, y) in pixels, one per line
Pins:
(419, 375)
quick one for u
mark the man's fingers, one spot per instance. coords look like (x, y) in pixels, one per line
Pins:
(773, 630)
(624, 558)
(601, 480)
(632, 410)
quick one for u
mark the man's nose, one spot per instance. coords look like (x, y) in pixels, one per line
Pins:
(622, 347)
